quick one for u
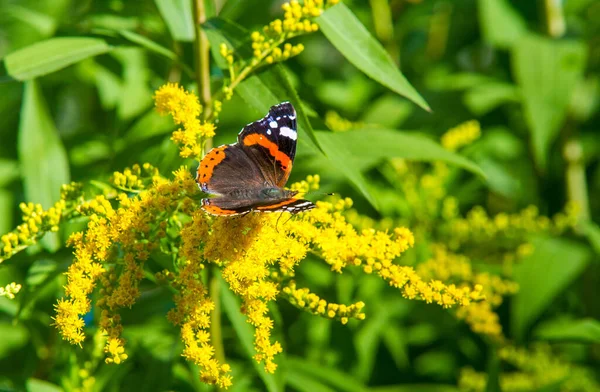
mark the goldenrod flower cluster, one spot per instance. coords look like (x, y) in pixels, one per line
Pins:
(461, 135)
(268, 44)
(37, 222)
(337, 123)
(185, 109)
(256, 255)
(302, 298)
(536, 369)
(136, 178)
(10, 290)
(297, 20)
(456, 239)
(494, 234)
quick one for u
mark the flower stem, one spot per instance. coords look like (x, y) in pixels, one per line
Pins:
(215, 318)
(202, 59)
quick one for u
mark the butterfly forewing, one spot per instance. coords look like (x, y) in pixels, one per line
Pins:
(271, 143)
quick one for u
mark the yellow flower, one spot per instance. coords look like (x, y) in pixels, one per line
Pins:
(461, 135)
(10, 290)
(185, 108)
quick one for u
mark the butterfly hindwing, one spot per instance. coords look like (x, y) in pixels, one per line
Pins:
(227, 169)
(234, 206)
(271, 143)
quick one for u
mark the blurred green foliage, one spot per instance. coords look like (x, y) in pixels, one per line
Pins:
(79, 107)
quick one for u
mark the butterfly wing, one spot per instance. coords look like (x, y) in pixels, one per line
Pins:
(271, 143)
(228, 169)
(234, 206)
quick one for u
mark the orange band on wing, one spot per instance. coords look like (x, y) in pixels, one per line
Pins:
(208, 163)
(274, 206)
(218, 211)
(256, 138)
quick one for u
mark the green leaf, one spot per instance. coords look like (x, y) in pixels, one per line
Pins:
(584, 330)
(233, 9)
(376, 144)
(394, 338)
(501, 25)
(148, 44)
(305, 383)
(357, 45)
(341, 158)
(14, 337)
(547, 72)
(177, 14)
(149, 125)
(36, 385)
(243, 330)
(261, 92)
(42, 156)
(543, 275)
(136, 96)
(341, 381)
(236, 37)
(51, 55)
(417, 388)
(484, 98)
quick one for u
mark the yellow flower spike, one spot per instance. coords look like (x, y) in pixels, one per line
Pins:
(461, 135)
(114, 348)
(185, 108)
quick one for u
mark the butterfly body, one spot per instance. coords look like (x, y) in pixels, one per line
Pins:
(250, 175)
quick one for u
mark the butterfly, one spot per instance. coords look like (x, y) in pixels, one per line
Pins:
(250, 175)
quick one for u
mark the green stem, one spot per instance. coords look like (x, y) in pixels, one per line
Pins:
(575, 178)
(554, 18)
(215, 317)
(202, 57)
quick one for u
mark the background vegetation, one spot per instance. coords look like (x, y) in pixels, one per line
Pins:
(515, 211)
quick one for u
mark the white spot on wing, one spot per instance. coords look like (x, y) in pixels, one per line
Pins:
(268, 131)
(292, 116)
(273, 124)
(288, 132)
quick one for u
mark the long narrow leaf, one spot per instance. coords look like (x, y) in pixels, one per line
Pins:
(343, 29)
(52, 55)
(42, 156)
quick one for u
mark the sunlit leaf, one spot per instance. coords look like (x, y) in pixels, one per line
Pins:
(42, 156)
(501, 25)
(341, 381)
(177, 14)
(37, 385)
(351, 38)
(345, 162)
(51, 55)
(376, 144)
(565, 330)
(305, 383)
(147, 43)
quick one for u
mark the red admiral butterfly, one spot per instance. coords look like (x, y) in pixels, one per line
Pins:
(250, 175)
